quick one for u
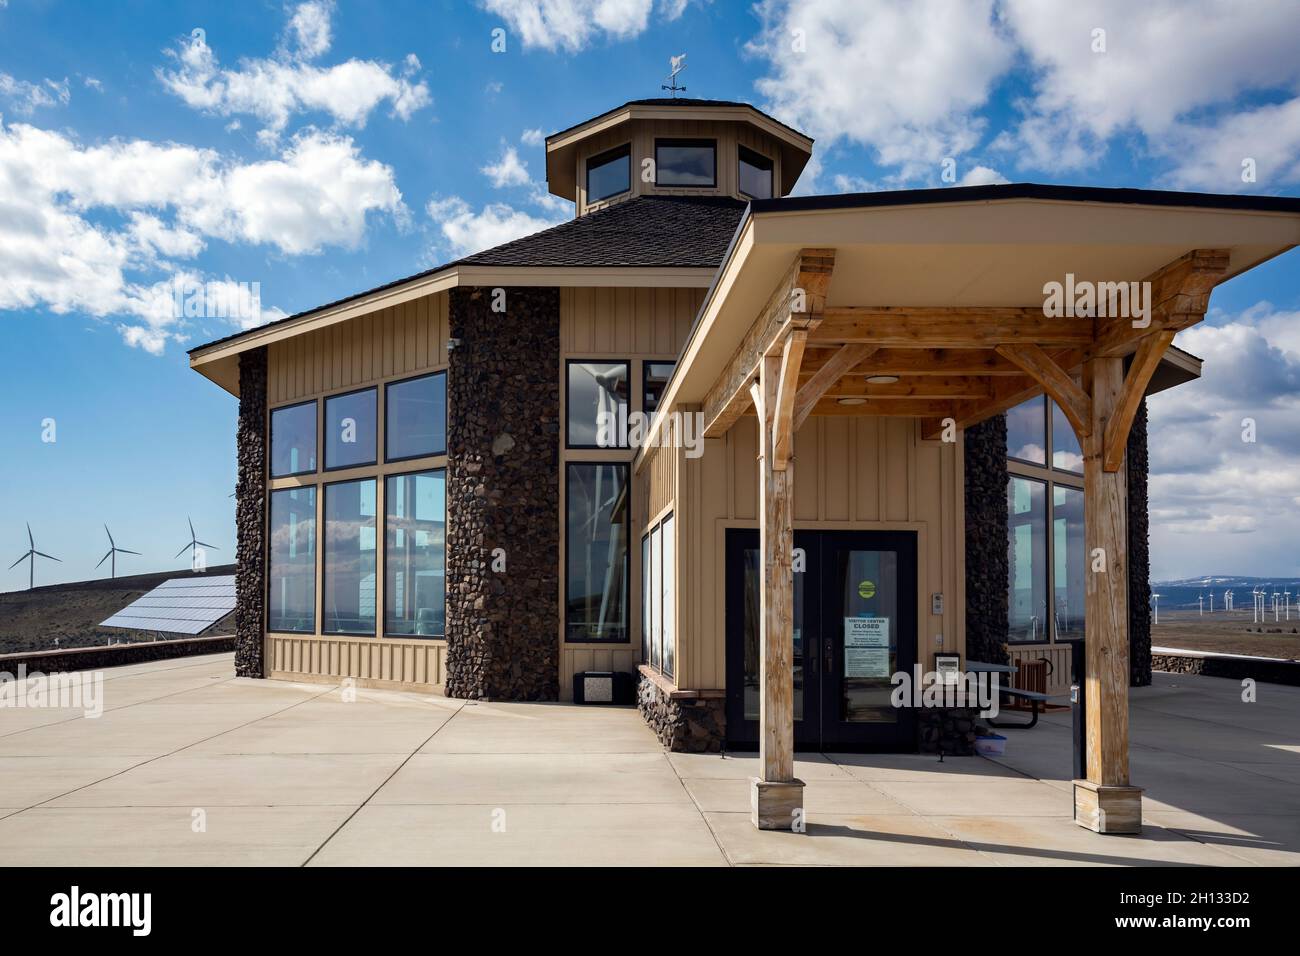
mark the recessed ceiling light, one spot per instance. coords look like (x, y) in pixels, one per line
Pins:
(881, 379)
(852, 401)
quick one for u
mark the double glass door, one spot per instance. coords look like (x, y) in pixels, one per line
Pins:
(854, 627)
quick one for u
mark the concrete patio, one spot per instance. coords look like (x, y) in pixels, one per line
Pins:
(191, 766)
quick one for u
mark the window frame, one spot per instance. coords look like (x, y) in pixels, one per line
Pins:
(406, 458)
(316, 560)
(603, 360)
(383, 631)
(322, 547)
(741, 150)
(626, 641)
(600, 159)
(645, 380)
(686, 141)
(374, 462)
(270, 439)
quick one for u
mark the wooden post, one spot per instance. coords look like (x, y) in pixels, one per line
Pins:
(776, 797)
(1105, 801)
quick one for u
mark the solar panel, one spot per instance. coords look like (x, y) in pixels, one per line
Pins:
(179, 606)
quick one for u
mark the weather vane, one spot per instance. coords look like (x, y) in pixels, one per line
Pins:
(677, 64)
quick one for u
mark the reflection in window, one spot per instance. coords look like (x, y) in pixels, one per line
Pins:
(647, 602)
(597, 401)
(349, 589)
(415, 554)
(1027, 431)
(415, 420)
(656, 606)
(291, 596)
(350, 434)
(654, 379)
(1069, 554)
(293, 440)
(685, 162)
(609, 173)
(596, 552)
(1066, 453)
(1027, 553)
(667, 582)
(755, 174)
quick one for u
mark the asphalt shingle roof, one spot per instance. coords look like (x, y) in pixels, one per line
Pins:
(645, 231)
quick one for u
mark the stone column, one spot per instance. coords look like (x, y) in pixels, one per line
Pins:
(1139, 554)
(987, 568)
(250, 514)
(503, 494)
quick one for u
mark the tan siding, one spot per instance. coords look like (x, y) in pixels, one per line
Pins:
(413, 665)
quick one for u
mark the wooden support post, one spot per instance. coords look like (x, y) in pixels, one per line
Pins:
(776, 797)
(1105, 802)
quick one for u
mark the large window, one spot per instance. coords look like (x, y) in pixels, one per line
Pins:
(349, 588)
(415, 554)
(291, 594)
(597, 402)
(596, 551)
(609, 173)
(415, 417)
(1045, 542)
(755, 173)
(293, 440)
(686, 162)
(667, 588)
(350, 432)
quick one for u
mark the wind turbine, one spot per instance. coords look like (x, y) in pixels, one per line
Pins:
(31, 555)
(1155, 601)
(194, 544)
(113, 552)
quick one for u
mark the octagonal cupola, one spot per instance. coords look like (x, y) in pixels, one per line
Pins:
(675, 147)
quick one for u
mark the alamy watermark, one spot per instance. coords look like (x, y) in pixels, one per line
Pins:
(1081, 298)
(931, 689)
(624, 429)
(222, 299)
(84, 689)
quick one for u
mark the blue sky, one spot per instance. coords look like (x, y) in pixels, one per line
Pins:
(319, 149)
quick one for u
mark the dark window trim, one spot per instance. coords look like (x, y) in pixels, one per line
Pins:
(645, 375)
(266, 554)
(687, 141)
(403, 381)
(324, 556)
(568, 446)
(270, 435)
(1047, 441)
(324, 445)
(627, 564)
(599, 159)
(383, 631)
(647, 537)
(1048, 553)
(741, 150)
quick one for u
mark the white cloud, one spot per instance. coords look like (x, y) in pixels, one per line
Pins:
(901, 77)
(532, 137)
(1210, 490)
(981, 176)
(274, 90)
(25, 98)
(572, 25)
(467, 231)
(90, 229)
(509, 170)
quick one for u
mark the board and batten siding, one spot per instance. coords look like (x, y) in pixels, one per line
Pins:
(383, 346)
(863, 473)
(637, 325)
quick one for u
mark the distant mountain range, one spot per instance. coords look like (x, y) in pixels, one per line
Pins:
(1185, 592)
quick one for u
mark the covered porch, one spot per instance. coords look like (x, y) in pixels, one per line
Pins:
(947, 313)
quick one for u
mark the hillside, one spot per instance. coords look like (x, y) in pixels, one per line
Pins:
(68, 615)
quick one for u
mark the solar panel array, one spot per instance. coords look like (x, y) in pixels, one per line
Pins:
(179, 606)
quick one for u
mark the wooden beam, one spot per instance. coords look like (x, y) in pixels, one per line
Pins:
(951, 327)
(844, 358)
(1145, 362)
(1179, 297)
(775, 795)
(803, 286)
(1056, 382)
(783, 426)
(1105, 801)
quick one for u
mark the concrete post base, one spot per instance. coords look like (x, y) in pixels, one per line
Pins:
(1107, 809)
(776, 806)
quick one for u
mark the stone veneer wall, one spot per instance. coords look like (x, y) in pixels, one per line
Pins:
(503, 491)
(1139, 555)
(694, 725)
(250, 515)
(987, 567)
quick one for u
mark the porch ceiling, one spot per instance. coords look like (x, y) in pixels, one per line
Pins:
(948, 297)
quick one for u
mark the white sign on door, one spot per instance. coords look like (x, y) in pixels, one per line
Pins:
(866, 647)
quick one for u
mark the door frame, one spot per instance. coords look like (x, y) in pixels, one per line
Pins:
(742, 735)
